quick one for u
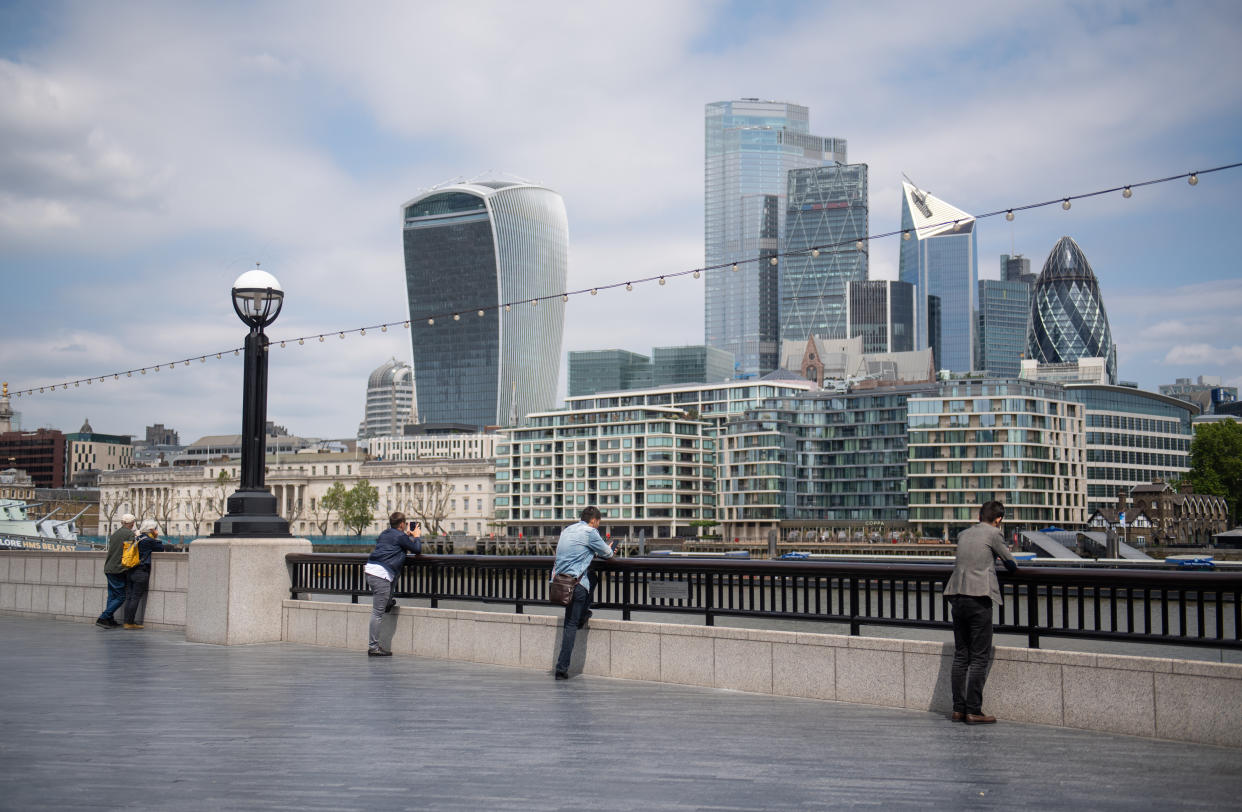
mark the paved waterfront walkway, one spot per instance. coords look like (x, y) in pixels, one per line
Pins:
(93, 719)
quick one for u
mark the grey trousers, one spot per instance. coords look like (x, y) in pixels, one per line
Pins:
(381, 591)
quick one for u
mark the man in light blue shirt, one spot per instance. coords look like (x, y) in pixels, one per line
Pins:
(578, 546)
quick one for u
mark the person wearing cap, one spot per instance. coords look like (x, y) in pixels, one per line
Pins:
(115, 573)
(972, 590)
(140, 576)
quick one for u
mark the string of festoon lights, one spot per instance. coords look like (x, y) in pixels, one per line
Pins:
(1009, 212)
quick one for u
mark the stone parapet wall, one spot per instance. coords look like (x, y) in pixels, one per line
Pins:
(71, 586)
(1184, 700)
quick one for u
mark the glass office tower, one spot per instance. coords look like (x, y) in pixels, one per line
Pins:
(1004, 308)
(940, 258)
(1068, 321)
(750, 147)
(826, 209)
(882, 312)
(592, 371)
(690, 364)
(470, 250)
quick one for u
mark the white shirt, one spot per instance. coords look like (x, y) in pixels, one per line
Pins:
(377, 570)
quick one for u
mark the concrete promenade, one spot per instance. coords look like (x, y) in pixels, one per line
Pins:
(96, 719)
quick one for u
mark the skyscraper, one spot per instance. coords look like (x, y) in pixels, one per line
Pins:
(750, 147)
(939, 256)
(1004, 308)
(827, 206)
(882, 312)
(1068, 321)
(472, 249)
(390, 400)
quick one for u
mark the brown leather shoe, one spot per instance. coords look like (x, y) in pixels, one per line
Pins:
(980, 719)
(957, 716)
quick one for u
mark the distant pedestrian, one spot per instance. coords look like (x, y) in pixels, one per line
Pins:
(972, 589)
(578, 546)
(140, 576)
(114, 572)
(382, 570)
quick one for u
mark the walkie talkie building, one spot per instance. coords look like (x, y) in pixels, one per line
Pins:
(470, 250)
(1068, 321)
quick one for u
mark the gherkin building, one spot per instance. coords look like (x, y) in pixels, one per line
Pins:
(1068, 321)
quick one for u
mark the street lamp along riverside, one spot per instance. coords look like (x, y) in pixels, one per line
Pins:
(257, 299)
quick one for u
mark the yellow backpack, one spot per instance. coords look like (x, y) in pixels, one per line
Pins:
(129, 554)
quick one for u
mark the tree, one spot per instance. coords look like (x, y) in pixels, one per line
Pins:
(164, 509)
(197, 508)
(221, 491)
(357, 510)
(331, 502)
(1216, 463)
(429, 502)
(706, 524)
(108, 508)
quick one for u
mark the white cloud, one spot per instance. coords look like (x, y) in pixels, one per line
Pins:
(1203, 354)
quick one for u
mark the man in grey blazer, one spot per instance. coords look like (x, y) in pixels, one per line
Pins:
(971, 590)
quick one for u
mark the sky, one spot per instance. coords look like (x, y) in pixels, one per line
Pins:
(150, 153)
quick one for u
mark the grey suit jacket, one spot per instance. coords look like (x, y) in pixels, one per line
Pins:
(974, 571)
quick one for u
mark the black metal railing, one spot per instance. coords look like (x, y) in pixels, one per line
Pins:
(1178, 607)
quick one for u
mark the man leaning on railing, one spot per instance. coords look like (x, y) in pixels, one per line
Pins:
(382, 569)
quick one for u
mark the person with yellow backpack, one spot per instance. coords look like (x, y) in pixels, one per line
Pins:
(137, 556)
(116, 572)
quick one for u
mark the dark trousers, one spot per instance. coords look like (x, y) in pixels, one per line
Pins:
(381, 591)
(117, 585)
(972, 655)
(575, 616)
(136, 602)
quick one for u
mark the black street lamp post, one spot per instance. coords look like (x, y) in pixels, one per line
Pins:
(257, 298)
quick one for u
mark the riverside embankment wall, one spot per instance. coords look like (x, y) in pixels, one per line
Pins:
(1185, 700)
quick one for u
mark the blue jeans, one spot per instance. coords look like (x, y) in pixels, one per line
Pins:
(116, 594)
(575, 616)
(972, 654)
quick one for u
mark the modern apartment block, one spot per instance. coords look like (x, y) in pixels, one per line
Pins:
(649, 469)
(428, 441)
(882, 312)
(817, 461)
(1133, 438)
(1020, 442)
(479, 258)
(592, 371)
(713, 403)
(825, 216)
(939, 256)
(750, 146)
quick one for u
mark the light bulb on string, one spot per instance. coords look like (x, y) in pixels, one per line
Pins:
(629, 286)
(480, 313)
(321, 339)
(456, 317)
(905, 235)
(342, 335)
(661, 280)
(430, 322)
(696, 274)
(735, 267)
(383, 328)
(594, 292)
(301, 341)
(406, 325)
(234, 353)
(1126, 193)
(1193, 180)
(815, 253)
(116, 377)
(187, 361)
(564, 297)
(508, 308)
(282, 345)
(534, 302)
(129, 374)
(362, 332)
(858, 245)
(144, 371)
(1065, 204)
(88, 381)
(75, 384)
(217, 356)
(772, 261)
(1009, 215)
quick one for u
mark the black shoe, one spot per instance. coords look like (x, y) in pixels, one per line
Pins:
(105, 623)
(379, 652)
(392, 604)
(562, 675)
